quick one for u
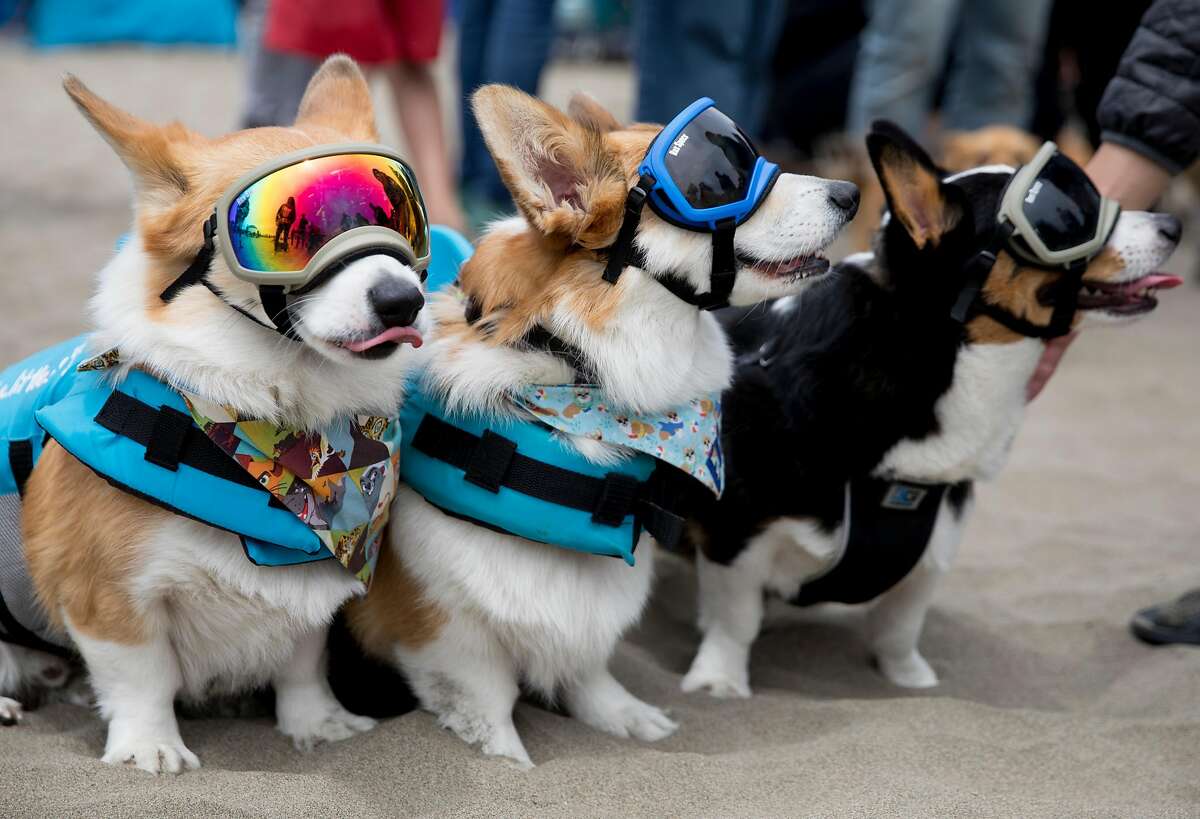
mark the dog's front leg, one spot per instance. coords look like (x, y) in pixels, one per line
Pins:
(135, 687)
(731, 612)
(468, 679)
(896, 619)
(305, 708)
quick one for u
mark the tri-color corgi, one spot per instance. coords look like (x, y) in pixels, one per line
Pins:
(862, 411)
(473, 615)
(159, 605)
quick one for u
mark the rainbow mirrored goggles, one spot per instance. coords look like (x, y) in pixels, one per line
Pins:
(290, 223)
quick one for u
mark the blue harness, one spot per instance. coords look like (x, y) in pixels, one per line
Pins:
(518, 476)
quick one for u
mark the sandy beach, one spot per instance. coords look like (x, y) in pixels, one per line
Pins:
(1048, 706)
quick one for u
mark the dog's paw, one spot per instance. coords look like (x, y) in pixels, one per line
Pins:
(11, 711)
(718, 683)
(909, 671)
(308, 730)
(514, 754)
(152, 754)
(633, 718)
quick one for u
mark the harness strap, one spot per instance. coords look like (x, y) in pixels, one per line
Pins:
(492, 462)
(168, 441)
(20, 461)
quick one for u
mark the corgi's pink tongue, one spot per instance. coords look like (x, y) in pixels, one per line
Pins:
(1159, 281)
(401, 335)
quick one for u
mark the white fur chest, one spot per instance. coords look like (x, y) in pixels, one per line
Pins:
(555, 611)
(978, 417)
(232, 623)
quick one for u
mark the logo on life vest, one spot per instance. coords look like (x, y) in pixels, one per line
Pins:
(903, 497)
(1034, 190)
(678, 144)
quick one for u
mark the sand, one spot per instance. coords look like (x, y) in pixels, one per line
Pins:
(1048, 707)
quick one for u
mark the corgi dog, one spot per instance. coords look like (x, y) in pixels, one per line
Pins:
(867, 380)
(161, 606)
(472, 615)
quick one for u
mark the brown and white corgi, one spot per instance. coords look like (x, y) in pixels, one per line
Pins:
(472, 615)
(158, 605)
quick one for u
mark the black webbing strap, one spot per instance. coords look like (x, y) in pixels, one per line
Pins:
(618, 252)
(20, 461)
(609, 500)
(971, 301)
(198, 269)
(170, 438)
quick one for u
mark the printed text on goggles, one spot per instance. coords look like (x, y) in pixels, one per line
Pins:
(291, 223)
(1051, 216)
(701, 173)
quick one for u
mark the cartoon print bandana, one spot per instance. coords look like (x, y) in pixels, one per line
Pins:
(339, 482)
(688, 437)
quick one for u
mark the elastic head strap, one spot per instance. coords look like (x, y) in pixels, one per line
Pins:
(197, 271)
(724, 266)
(273, 300)
(618, 253)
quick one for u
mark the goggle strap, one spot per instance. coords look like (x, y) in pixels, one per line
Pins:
(724, 269)
(197, 271)
(618, 253)
(275, 306)
(976, 274)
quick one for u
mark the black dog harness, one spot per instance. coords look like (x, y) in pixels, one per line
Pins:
(887, 528)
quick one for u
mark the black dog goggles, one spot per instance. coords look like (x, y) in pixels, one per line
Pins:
(1050, 216)
(1057, 216)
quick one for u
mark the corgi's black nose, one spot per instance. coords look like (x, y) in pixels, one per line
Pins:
(396, 302)
(1170, 228)
(844, 195)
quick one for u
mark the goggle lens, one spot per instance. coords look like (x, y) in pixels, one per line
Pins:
(281, 221)
(711, 161)
(1062, 205)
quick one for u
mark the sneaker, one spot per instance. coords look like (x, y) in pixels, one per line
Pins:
(1174, 622)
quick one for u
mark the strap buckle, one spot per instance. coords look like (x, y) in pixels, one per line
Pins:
(617, 495)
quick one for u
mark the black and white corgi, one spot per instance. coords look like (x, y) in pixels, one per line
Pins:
(861, 413)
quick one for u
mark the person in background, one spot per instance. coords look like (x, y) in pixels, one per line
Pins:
(505, 41)
(400, 37)
(686, 49)
(997, 51)
(1150, 127)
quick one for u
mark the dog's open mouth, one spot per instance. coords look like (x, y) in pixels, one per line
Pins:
(382, 344)
(793, 269)
(1126, 298)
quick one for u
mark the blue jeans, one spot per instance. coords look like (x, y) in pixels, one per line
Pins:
(686, 49)
(506, 41)
(997, 54)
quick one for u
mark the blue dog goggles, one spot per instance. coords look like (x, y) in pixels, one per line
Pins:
(700, 173)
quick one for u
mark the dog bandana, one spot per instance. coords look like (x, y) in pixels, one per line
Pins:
(339, 482)
(688, 437)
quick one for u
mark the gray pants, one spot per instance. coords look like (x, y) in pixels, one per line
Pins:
(997, 54)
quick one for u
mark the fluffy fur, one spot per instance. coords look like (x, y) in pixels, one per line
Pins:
(511, 613)
(159, 606)
(867, 373)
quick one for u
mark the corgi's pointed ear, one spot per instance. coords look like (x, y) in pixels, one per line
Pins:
(912, 184)
(153, 153)
(339, 98)
(586, 109)
(560, 175)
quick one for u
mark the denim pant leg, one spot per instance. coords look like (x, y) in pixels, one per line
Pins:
(901, 55)
(505, 41)
(686, 49)
(997, 58)
(275, 81)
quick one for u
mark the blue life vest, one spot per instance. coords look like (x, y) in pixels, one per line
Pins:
(518, 476)
(139, 437)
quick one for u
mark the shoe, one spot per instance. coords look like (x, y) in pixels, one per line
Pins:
(1174, 622)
